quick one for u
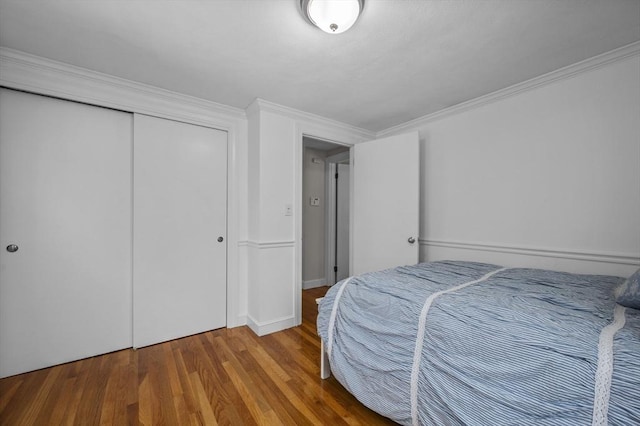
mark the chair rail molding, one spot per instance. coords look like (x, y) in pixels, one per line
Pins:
(571, 260)
(269, 244)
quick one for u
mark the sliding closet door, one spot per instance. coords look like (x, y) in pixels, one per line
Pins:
(179, 238)
(65, 231)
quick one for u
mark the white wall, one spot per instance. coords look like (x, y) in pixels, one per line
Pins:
(547, 177)
(271, 232)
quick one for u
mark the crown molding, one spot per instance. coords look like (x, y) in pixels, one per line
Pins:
(593, 63)
(23, 71)
(261, 105)
(31, 73)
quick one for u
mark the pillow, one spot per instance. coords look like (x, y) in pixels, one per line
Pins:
(630, 295)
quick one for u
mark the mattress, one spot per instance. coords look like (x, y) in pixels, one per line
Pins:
(448, 343)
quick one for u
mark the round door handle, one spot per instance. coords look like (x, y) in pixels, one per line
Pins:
(220, 239)
(12, 248)
(411, 240)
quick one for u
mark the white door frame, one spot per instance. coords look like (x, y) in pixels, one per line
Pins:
(329, 212)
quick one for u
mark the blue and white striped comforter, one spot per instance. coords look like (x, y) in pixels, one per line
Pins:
(450, 343)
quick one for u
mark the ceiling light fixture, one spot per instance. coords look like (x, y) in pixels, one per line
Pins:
(332, 16)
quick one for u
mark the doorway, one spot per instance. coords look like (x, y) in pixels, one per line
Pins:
(325, 212)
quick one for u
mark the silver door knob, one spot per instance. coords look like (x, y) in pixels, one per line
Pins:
(220, 239)
(12, 248)
(411, 240)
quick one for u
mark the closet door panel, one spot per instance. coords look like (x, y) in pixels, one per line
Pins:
(65, 203)
(180, 205)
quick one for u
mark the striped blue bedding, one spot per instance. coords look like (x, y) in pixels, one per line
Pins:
(464, 343)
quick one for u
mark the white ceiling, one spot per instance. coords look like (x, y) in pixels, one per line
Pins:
(403, 59)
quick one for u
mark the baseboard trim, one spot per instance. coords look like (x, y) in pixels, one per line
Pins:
(264, 328)
(320, 282)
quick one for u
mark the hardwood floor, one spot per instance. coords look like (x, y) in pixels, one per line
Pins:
(226, 376)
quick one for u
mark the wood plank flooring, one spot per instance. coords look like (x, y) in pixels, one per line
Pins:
(226, 377)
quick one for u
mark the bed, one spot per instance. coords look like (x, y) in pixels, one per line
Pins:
(465, 343)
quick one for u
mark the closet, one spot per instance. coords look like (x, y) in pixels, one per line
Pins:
(112, 230)
(179, 229)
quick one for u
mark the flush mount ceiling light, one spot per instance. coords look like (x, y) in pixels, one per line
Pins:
(332, 16)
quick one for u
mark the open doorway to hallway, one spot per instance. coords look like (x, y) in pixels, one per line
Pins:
(325, 212)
